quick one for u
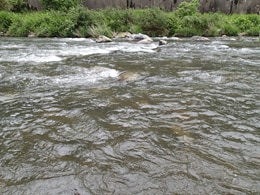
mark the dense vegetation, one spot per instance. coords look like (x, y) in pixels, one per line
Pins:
(70, 19)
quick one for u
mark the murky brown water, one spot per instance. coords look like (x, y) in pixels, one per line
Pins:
(78, 117)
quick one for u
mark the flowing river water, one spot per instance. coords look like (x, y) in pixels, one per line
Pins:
(78, 117)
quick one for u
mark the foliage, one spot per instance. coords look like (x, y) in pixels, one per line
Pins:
(187, 8)
(247, 23)
(74, 20)
(14, 5)
(229, 29)
(59, 4)
(19, 28)
(4, 5)
(55, 25)
(81, 16)
(183, 19)
(42, 24)
(191, 25)
(6, 19)
(102, 29)
(153, 21)
(118, 19)
(134, 28)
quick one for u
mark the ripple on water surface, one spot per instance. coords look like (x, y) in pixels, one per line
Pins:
(187, 122)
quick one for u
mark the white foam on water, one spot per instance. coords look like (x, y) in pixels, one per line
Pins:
(61, 49)
(82, 51)
(76, 40)
(103, 48)
(67, 76)
(212, 77)
(85, 76)
(136, 47)
(248, 51)
(4, 98)
(40, 58)
(23, 55)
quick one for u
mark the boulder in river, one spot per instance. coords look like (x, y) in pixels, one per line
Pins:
(103, 39)
(128, 76)
(199, 38)
(147, 40)
(162, 42)
(123, 35)
(141, 38)
(183, 136)
(31, 35)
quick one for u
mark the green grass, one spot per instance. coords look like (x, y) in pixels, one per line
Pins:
(81, 22)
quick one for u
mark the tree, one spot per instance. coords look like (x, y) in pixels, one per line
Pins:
(14, 5)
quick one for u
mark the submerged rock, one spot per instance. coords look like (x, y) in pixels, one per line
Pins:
(183, 136)
(123, 35)
(103, 39)
(138, 36)
(240, 36)
(162, 42)
(128, 76)
(243, 34)
(31, 35)
(199, 38)
(141, 38)
(147, 40)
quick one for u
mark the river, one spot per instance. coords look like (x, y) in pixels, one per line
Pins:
(78, 117)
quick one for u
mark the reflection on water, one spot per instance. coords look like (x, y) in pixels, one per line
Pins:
(122, 118)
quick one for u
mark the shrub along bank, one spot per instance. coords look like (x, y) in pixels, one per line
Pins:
(77, 21)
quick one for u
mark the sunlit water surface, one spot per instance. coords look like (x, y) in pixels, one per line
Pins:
(183, 119)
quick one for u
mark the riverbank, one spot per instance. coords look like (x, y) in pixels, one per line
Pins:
(82, 22)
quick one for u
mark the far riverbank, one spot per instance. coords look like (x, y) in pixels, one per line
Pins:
(82, 22)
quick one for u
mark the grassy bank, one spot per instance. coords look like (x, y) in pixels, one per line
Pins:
(80, 22)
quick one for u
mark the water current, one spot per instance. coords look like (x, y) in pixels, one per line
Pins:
(79, 117)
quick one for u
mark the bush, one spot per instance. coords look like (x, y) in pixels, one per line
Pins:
(191, 25)
(73, 20)
(247, 23)
(172, 23)
(59, 4)
(254, 31)
(14, 5)
(18, 28)
(211, 24)
(177, 21)
(152, 21)
(42, 24)
(135, 29)
(229, 29)
(6, 20)
(118, 20)
(80, 16)
(5, 5)
(54, 24)
(100, 29)
(199, 24)
(18, 5)
(187, 8)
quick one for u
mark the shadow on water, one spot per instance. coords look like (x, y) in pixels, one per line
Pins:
(121, 118)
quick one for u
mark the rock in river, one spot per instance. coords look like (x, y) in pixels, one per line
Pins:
(162, 42)
(199, 38)
(128, 76)
(141, 38)
(103, 39)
